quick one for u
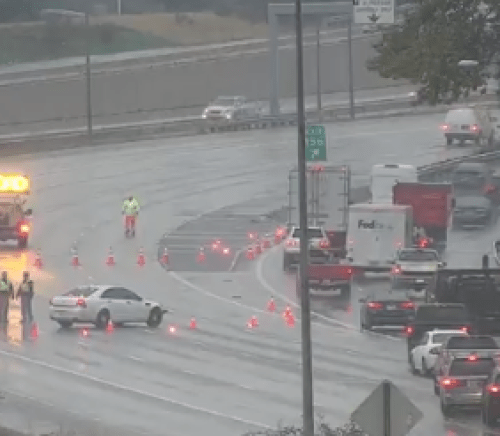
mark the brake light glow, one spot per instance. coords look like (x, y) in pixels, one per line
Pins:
(449, 383)
(24, 228)
(324, 243)
(375, 305)
(252, 235)
(409, 330)
(396, 269)
(216, 245)
(407, 305)
(465, 329)
(474, 128)
(493, 389)
(291, 243)
(14, 183)
(280, 231)
(226, 251)
(172, 329)
(472, 358)
(81, 302)
(445, 127)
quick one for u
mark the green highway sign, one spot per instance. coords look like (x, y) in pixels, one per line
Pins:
(316, 144)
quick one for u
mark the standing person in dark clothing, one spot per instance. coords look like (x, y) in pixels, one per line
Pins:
(26, 292)
(6, 292)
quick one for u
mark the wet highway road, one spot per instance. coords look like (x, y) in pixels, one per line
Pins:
(152, 93)
(222, 375)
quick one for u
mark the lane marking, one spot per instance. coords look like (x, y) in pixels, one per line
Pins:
(273, 291)
(128, 389)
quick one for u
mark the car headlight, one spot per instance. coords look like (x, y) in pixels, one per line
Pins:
(228, 115)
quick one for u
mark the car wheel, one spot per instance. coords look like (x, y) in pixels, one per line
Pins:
(486, 417)
(65, 324)
(102, 319)
(436, 387)
(446, 409)
(425, 370)
(155, 318)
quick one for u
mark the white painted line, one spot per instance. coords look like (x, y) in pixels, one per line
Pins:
(128, 389)
(137, 359)
(273, 291)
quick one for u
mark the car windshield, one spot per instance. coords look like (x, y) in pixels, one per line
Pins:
(311, 233)
(418, 256)
(465, 367)
(441, 338)
(80, 292)
(468, 179)
(225, 101)
(471, 342)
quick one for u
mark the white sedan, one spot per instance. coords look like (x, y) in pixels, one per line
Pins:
(101, 304)
(424, 355)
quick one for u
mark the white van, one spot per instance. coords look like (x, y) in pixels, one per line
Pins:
(473, 123)
(385, 176)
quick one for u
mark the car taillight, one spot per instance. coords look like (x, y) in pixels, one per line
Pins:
(324, 243)
(466, 329)
(408, 331)
(493, 389)
(226, 251)
(291, 243)
(475, 128)
(24, 228)
(450, 383)
(396, 269)
(375, 305)
(472, 358)
(407, 305)
(445, 127)
(81, 302)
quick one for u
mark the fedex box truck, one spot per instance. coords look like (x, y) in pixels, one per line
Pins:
(376, 232)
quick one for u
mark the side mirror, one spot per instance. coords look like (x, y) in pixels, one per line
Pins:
(28, 212)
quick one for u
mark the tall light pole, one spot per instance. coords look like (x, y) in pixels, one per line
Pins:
(87, 77)
(307, 377)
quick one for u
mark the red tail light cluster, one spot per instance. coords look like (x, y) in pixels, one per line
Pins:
(493, 390)
(475, 128)
(81, 303)
(466, 329)
(291, 243)
(324, 244)
(450, 383)
(408, 331)
(445, 127)
(407, 305)
(396, 269)
(375, 305)
(472, 358)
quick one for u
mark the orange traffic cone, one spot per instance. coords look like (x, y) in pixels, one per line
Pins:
(34, 332)
(271, 305)
(192, 324)
(290, 320)
(141, 259)
(250, 253)
(38, 260)
(110, 260)
(110, 327)
(253, 322)
(287, 312)
(75, 261)
(201, 256)
(164, 257)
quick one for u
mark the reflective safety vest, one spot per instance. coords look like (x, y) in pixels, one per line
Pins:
(4, 286)
(131, 207)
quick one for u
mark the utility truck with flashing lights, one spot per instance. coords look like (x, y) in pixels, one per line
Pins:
(15, 222)
(376, 232)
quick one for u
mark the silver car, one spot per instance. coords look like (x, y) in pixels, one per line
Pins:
(232, 108)
(101, 305)
(462, 381)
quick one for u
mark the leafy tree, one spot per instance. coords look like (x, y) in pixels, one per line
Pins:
(428, 45)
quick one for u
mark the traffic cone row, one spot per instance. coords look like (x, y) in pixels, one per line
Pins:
(164, 260)
(141, 258)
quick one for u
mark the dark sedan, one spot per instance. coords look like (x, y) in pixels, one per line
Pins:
(392, 310)
(472, 211)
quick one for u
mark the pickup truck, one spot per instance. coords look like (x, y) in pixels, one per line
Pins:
(329, 280)
(455, 346)
(319, 246)
(435, 316)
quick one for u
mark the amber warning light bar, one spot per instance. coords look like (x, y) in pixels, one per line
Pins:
(14, 184)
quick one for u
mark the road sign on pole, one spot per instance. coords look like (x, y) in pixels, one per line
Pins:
(374, 12)
(316, 144)
(386, 412)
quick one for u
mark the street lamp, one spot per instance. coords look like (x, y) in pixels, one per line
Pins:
(307, 377)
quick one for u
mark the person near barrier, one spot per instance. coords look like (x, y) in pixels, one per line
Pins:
(6, 292)
(130, 209)
(25, 292)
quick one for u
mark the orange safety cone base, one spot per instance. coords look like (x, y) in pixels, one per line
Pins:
(192, 324)
(271, 305)
(110, 327)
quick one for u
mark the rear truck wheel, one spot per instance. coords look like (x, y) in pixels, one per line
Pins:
(446, 409)
(155, 318)
(22, 241)
(65, 324)
(102, 319)
(425, 370)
